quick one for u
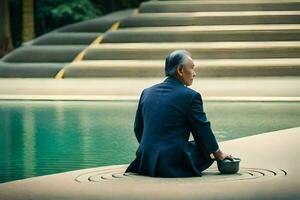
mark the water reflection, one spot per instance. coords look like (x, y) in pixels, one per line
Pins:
(28, 120)
(60, 116)
(85, 127)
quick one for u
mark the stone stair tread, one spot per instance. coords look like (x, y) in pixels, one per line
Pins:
(194, 45)
(65, 38)
(30, 70)
(204, 68)
(206, 6)
(212, 28)
(233, 0)
(198, 63)
(220, 13)
(44, 53)
(179, 2)
(211, 18)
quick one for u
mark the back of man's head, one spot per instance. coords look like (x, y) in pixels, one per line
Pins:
(173, 59)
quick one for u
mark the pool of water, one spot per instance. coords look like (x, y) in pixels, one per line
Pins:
(45, 137)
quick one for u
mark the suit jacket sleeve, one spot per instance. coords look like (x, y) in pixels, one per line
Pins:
(200, 127)
(138, 122)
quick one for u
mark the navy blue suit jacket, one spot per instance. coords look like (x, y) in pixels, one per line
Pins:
(166, 115)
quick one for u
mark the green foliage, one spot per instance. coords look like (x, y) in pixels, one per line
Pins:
(107, 6)
(52, 14)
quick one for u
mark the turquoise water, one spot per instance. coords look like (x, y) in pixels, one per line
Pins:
(45, 137)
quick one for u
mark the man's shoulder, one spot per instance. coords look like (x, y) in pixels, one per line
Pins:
(152, 87)
(185, 91)
(191, 91)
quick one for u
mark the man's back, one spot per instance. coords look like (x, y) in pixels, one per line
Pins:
(166, 114)
(164, 110)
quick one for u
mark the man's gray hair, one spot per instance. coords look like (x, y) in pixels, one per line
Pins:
(173, 59)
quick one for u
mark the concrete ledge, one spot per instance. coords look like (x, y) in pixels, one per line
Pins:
(213, 33)
(29, 70)
(204, 68)
(266, 172)
(199, 50)
(198, 6)
(68, 38)
(97, 25)
(136, 98)
(245, 1)
(211, 18)
(259, 88)
(47, 53)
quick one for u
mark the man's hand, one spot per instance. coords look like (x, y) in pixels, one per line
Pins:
(220, 155)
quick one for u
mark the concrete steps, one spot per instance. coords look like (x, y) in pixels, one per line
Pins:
(225, 37)
(29, 70)
(66, 38)
(211, 18)
(199, 50)
(215, 1)
(212, 6)
(46, 55)
(282, 32)
(98, 25)
(204, 68)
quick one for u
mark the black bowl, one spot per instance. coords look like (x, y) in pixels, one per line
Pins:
(228, 166)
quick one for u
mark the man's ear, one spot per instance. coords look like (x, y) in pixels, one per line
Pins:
(179, 69)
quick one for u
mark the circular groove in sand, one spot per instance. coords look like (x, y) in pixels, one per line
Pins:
(209, 176)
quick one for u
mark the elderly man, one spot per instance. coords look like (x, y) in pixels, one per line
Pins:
(167, 112)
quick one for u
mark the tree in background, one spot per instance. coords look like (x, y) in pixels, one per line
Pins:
(28, 32)
(15, 13)
(5, 33)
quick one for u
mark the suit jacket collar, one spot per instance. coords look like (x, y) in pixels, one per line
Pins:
(174, 80)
